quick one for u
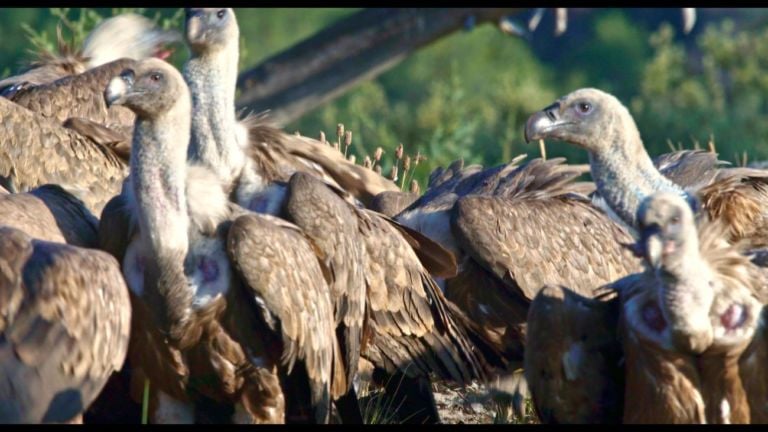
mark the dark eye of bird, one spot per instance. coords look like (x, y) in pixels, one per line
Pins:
(584, 107)
(221, 13)
(155, 77)
(675, 219)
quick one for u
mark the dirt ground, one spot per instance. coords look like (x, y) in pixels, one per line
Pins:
(474, 404)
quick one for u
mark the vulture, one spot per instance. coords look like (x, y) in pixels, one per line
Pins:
(388, 309)
(624, 173)
(513, 229)
(682, 342)
(220, 319)
(124, 36)
(211, 73)
(64, 308)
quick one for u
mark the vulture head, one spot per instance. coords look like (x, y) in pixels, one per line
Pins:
(150, 89)
(702, 295)
(665, 228)
(588, 117)
(210, 29)
(128, 36)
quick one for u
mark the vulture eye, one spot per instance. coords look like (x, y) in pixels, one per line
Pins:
(734, 317)
(675, 219)
(221, 13)
(584, 107)
(155, 77)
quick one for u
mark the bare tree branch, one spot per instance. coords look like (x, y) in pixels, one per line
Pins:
(357, 48)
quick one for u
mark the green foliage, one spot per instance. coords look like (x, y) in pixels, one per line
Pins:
(466, 96)
(721, 92)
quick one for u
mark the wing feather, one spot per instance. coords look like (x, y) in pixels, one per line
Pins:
(281, 274)
(65, 328)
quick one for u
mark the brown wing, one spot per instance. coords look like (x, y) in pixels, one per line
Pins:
(332, 224)
(79, 95)
(572, 358)
(391, 203)
(411, 326)
(118, 139)
(691, 169)
(438, 261)
(116, 227)
(499, 314)
(50, 213)
(529, 243)
(322, 160)
(65, 323)
(35, 151)
(286, 285)
(740, 197)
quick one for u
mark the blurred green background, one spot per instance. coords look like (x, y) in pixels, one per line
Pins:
(469, 94)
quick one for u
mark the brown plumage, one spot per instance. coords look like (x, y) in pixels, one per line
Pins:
(35, 151)
(624, 173)
(221, 317)
(514, 229)
(50, 213)
(683, 325)
(391, 311)
(79, 96)
(64, 309)
(391, 203)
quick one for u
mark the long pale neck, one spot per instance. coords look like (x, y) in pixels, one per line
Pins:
(212, 78)
(158, 177)
(685, 287)
(625, 175)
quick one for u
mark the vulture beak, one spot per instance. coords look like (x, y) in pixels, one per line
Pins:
(195, 26)
(542, 122)
(650, 247)
(119, 87)
(654, 249)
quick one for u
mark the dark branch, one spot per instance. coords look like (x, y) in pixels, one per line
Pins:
(357, 48)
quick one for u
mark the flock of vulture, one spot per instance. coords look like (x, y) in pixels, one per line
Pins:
(238, 273)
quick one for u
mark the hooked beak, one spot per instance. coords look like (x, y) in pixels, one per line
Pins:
(195, 29)
(654, 250)
(542, 122)
(119, 87)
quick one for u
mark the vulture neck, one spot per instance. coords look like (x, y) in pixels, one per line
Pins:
(625, 175)
(684, 282)
(212, 78)
(158, 175)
